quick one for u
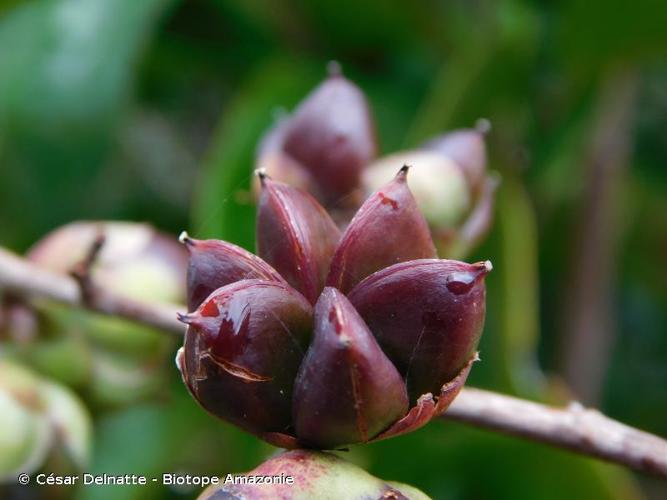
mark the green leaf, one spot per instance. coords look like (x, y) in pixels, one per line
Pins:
(66, 72)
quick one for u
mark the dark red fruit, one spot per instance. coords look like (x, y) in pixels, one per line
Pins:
(428, 317)
(216, 263)
(295, 235)
(243, 348)
(387, 229)
(347, 390)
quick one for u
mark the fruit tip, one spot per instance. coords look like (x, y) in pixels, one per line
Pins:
(403, 172)
(486, 266)
(483, 126)
(262, 175)
(482, 268)
(186, 318)
(184, 238)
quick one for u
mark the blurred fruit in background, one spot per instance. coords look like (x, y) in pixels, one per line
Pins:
(135, 260)
(323, 146)
(328, 147)
(152, 111)
(111, 361)
(40, 422)
(451, 185)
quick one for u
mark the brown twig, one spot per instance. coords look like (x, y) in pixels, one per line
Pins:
(584, 431)
(26, 280)
(81, 272)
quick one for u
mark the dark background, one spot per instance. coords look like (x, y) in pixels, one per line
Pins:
(151, 110)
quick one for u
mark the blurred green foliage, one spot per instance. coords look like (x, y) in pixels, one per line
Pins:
(152, 110)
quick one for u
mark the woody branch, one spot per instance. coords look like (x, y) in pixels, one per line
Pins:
(581, 430)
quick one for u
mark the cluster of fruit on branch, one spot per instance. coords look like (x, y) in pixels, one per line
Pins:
(345, 327)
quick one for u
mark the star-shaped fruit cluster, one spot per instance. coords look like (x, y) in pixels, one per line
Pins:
(328, 338)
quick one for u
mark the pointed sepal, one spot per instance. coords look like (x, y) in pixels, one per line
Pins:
(427, 315)
(436, 181)
(216, 263)
(295, 235)
(347, 391)
(388, 228)
(242, 351)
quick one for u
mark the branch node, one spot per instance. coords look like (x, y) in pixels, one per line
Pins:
(81, 272)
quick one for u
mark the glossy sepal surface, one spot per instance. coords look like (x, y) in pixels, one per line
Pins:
(388, 228)
(295, 235)
(388, 346)
(427, 315)
(216, 263)
(347, 390)
(242, 351)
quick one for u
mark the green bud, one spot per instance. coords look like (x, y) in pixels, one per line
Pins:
(25, 433)
(71, 422)
(66, 359)
(39, 419)
(119, 379)
(116, 360)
